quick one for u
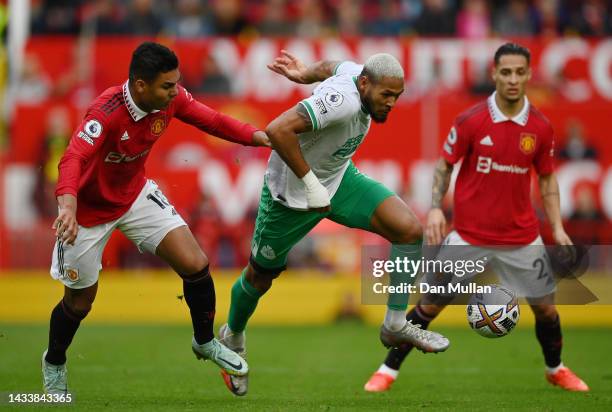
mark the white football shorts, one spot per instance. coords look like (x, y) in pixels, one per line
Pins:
(524, 269)
(150, 218)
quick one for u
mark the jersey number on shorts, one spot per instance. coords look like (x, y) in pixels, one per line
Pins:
(159, 198)
(543, 274)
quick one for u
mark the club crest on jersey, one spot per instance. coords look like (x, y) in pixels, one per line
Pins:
(93, 128)
(158, 126)
(333, 99)
(527, 143)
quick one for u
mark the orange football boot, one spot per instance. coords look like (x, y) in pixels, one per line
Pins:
(379, 382)
(566, 379)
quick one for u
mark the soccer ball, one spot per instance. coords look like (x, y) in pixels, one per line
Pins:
(493, 314)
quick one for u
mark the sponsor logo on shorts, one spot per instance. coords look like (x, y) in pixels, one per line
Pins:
(267, 252)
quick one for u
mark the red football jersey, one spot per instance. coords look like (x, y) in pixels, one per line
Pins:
(103, 165)
(492, 203)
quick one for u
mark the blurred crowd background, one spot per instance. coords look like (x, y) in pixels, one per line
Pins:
(312, 18)
(74, 49)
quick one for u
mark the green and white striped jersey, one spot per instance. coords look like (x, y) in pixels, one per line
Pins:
(339, 126)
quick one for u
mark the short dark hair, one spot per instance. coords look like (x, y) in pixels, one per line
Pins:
(149, 60)
(512, 48)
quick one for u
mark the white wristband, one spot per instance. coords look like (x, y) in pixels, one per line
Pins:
(317, 195)
(310, 180)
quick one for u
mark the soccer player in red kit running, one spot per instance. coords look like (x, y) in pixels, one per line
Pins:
(499, 140)
(102, 172)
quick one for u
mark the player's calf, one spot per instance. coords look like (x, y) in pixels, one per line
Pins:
(199, 292)
(64, 322)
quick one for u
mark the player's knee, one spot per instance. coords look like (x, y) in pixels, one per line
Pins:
(431, 310)
(262, 281)
(78, 307)
(410, 230)
(194, 263)
(545, 313)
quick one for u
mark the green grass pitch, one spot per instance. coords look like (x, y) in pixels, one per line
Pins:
(152, 368)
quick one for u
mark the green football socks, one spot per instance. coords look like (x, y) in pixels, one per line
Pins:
(410, 252)
(244, 302)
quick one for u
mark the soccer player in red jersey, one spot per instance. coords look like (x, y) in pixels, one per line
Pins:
(102, 172)
(499, 141)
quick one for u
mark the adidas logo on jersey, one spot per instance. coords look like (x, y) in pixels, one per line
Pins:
(125, 136)
(486, 141)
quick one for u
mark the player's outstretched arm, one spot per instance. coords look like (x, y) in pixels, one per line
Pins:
(436, 222)
(283, 133)
(295, 70)
(549, 190)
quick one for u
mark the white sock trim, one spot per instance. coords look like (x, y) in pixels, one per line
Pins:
(388, 371)
(555, 369)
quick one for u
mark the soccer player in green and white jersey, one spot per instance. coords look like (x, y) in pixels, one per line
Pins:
(310, 176)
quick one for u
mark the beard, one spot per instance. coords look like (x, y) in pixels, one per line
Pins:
(378, 118)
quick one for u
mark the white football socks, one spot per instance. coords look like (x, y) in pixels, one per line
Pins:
(388, 371)
(554, 370)
(235, 340)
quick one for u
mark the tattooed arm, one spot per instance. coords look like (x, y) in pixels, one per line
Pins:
(436, 222)
(295, 70)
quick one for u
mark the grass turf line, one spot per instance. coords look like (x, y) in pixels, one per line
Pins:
(137, 367)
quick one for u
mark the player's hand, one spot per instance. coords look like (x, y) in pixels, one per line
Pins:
(66, 226)
(561, 238)
(436, 227)
(317, 196)
(289, 66)
(260, 138)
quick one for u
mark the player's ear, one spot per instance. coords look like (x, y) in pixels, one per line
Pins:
(363, 82)
(140, 85)
(528, 73)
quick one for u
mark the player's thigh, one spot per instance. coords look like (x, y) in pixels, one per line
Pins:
(357, 200)
(277, 230)
(78, 266)
(526, 270)
(182, 252)
(150, 218)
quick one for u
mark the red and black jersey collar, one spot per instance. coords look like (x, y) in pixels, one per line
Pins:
(136, 112)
